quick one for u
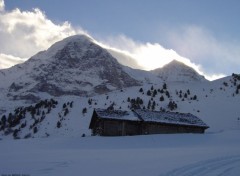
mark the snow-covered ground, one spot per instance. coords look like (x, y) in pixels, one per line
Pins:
(211, 154)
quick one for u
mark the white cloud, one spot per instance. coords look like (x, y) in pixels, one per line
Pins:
(214, 76)
(7, 61)
(24, 33)
(149, 56)
(214, 55)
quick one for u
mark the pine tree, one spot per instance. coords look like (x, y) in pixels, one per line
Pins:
(180, 95)
(139, 101)
(161, 98)
(165, 86)
(172, 105)
(84, 110)
(35, 130)
(66, 111)
(162, 109)
(149, 104)
(71, 104)
(153, 105)
(238, 87)
(38, 112)
(59, 124)
(15, 133)
(90, 101)
(154, 92)
(167, 94)
(10, 118)
(4, 119)
(24, 124)
(49, 110)
(194, 97)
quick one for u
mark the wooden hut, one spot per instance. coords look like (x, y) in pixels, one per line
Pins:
(122, 123)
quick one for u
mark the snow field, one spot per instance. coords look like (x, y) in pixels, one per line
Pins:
(164, 155)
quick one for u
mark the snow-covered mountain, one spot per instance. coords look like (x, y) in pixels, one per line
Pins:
(176, 71)
(73, 66)
(66, 82)
(79, 66)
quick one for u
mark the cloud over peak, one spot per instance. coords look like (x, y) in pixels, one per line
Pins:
(31, 28)
(148, 56)
(24, 33)
(215, 55)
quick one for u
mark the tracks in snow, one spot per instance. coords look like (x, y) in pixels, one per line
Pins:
(224, 166)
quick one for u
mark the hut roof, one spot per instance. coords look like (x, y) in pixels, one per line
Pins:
(170, 118)
(117, 114)
(174, 118)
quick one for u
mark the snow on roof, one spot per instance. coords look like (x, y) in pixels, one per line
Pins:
(170, 118)
(117, 114)
(152, 116)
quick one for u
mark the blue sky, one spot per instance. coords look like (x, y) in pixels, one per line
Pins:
(203, 32)
(140, 19)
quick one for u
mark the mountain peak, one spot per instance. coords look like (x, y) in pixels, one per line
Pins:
(176, 71)
(73, 66)
(81, 40)
(77, 38)
(175, 62)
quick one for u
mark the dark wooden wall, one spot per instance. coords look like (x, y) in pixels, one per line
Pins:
(157, 128)
(112, 127)
(120, 128)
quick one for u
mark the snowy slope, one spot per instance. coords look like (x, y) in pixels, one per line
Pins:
(216, 103)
